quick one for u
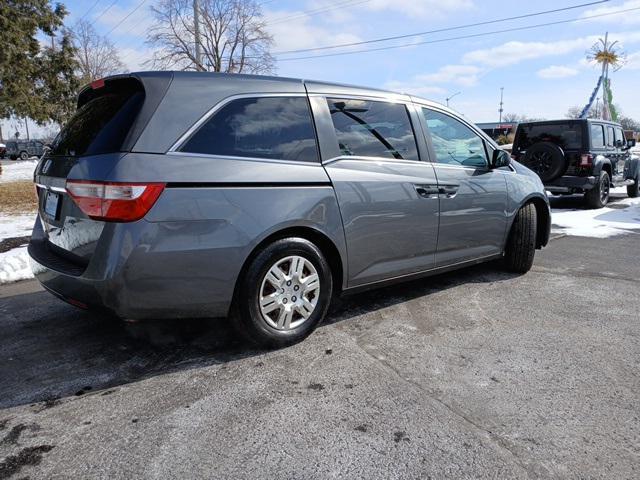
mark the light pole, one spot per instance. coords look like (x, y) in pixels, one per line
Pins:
(451, 96)
(501, 109)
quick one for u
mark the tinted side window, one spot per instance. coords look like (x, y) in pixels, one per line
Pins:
(373, 129)
(597, 136)
(611, 141)
(454, 142)
(261, 127)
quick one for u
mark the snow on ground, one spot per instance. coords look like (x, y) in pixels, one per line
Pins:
(14, 265)
(602, 222)
(18, 170)
(16, 225)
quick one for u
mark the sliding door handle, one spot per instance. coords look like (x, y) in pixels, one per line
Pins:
(427, 191)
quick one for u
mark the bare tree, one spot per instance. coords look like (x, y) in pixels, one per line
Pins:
(233, 36)
(96, 54)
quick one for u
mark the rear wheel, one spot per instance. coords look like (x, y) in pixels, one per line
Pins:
(24, 155)
(598, 196)
(284, 294)
(521, 244)
(633, 190)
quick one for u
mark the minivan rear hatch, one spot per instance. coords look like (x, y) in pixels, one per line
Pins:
(102, 129)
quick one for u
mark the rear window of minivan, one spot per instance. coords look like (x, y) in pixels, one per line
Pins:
(102, 123)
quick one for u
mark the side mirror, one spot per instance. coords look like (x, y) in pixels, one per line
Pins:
(631, 143)
(500, 158)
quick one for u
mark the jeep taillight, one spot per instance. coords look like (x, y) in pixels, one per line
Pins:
(114, 201)
(586, 160)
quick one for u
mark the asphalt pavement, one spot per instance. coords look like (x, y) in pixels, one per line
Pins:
(473, 374)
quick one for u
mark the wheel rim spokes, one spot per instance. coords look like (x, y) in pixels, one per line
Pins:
(289, 292)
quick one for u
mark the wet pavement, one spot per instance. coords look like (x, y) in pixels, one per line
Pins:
(472, 374)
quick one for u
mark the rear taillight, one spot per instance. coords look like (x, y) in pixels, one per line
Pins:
(586, 160)
(114, 202)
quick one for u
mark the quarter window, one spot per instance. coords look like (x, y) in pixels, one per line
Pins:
(261, 127)
(610, 137)
(454, 143)
(373, 129)
(597, 136)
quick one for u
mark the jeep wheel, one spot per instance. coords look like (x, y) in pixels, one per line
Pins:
(521, 244)
(24, 155)
(284, 293)
(598, 196)
(547, 160)
(633, 190)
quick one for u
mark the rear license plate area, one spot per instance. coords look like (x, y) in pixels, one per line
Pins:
(51, 204)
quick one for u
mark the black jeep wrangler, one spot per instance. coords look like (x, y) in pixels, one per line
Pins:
(579, 156)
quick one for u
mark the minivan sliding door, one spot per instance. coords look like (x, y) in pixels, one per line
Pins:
(387, 196)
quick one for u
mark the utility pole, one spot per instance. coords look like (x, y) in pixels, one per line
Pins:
(26, 127)
(196, 31)
(500, 110)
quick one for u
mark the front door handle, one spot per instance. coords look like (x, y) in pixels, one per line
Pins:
(448, 190)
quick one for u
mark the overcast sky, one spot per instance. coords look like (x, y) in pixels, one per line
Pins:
(543, 70)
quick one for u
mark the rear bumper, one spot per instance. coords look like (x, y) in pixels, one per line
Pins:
(568, 184)
(135, 275)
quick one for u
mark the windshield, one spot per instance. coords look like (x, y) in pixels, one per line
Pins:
(566, 135)
(102, 124)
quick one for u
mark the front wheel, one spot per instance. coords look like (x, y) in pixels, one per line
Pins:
(284, 293)
(598, 196)
(521, 244)
(633, 190)
(24, 156)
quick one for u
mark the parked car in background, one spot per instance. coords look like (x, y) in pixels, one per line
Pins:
(586, 156)
(3, 150)
(23, 149)
(200, 195)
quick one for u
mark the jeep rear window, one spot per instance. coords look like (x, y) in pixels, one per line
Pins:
(102, 123)
(566, 135)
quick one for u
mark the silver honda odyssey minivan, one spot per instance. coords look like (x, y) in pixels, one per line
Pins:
(182, 194)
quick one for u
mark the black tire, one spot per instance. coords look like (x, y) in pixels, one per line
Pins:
(24, 155)
(521, 244)
(547, 160)
(246, 313)
(633, 190)
(598, 196)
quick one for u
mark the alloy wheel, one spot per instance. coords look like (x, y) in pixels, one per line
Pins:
(541, 162)
(289, 292)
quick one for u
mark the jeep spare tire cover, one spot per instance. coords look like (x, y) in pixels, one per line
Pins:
(547, 160)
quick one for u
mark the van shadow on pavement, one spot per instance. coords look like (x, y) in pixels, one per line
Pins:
(50, 350)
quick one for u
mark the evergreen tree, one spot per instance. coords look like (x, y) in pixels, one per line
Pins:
(35, 82)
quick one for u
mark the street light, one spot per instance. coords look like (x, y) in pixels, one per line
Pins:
(450, 97)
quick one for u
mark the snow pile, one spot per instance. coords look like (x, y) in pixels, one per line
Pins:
(18, 170)
(14, 265)
(16, 225)
(599, 223)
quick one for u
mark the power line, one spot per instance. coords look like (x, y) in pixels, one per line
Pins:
(462, 37)
(126, 17)
(90, 8)
(104, 11)
(317, 11)
(458, 27)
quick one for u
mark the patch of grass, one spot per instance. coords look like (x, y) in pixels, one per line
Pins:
(18, 197)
